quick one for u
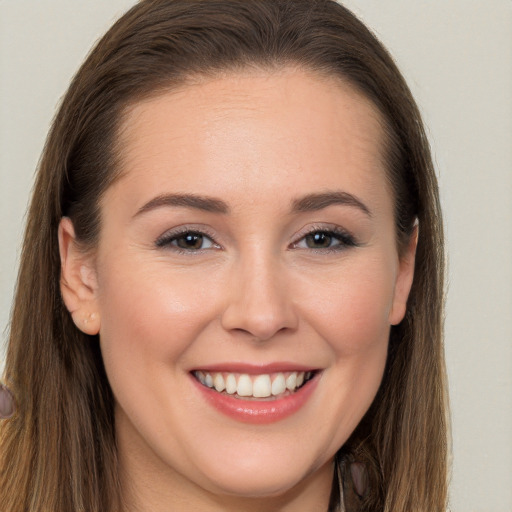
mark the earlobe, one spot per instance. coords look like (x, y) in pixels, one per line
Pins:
(404, 279)
(78, 283)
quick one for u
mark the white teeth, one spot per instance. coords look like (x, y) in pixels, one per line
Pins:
(291, 381)
(257, 386)
(218, 382)
(261, 387)
(230, 384)
(244, 387)
(279, 384)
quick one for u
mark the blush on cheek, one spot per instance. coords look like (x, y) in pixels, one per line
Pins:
(152, 316)
(362, 328)
(366, 333)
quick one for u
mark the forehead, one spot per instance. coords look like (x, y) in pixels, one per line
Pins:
(253, 131)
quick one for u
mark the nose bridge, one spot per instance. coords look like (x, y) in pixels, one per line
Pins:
(260, 302)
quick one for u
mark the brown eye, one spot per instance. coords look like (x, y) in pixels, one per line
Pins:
(326, 240)
(319, 240)
(190, 241)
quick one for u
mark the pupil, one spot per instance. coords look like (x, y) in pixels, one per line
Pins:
(190, 241)
(318, 240)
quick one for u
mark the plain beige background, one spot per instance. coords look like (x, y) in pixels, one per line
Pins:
(457, 57)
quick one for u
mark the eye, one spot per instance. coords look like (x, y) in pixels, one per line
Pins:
(189, 241)
(326, 239)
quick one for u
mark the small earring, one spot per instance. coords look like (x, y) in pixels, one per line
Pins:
(88, 318)
(7, 408)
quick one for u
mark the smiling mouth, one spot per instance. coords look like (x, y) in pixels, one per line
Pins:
(254, 387)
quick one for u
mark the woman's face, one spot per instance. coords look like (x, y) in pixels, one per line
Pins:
(249, 244)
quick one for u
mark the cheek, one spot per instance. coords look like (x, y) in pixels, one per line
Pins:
(352, 318)
(352, 307)
(150, 316)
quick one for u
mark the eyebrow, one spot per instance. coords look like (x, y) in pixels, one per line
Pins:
(307, 203)
(208, 204)
(314, 202)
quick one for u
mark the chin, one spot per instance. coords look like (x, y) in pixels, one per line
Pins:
(254, 484)
(252, 477)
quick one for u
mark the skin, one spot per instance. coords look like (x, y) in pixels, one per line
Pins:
(257, 292)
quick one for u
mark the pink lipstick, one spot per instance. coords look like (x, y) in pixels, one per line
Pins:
(256, 394)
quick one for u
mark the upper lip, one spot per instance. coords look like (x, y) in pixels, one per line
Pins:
(255, 369)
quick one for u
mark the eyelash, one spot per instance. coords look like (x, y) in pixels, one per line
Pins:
(167, 239)
(345, 239)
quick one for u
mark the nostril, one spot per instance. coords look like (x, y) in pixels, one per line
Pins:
(256, 327)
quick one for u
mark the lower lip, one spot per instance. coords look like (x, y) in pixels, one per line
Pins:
(255, 411)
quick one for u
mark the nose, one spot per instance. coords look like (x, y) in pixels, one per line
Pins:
(260, 300)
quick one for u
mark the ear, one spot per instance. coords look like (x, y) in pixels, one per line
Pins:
(78, 281)
(404, 279)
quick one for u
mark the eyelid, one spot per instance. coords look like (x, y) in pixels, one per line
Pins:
(173, 233)
(346, 237)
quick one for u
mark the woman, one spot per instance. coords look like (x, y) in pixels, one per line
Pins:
(230, 293)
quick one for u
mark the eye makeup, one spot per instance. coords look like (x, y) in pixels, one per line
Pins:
(187, 239)
(321, 238)
(327, 238)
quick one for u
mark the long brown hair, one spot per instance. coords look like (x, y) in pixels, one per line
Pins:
(58, 453)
